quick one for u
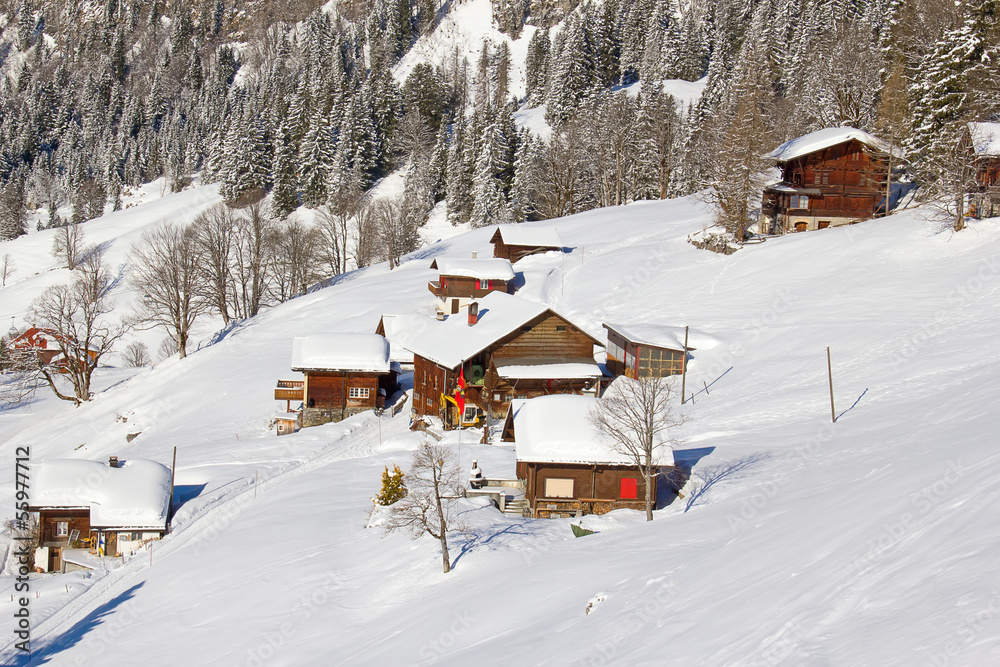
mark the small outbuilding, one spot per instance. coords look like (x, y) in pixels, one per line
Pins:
(569, 467)
(90, 506)
(462, 280)
(645, 350)
(512, 242)
(343, 375)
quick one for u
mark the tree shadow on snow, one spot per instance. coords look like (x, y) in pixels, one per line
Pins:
(473, 540)
(724, 472)
(91, 622)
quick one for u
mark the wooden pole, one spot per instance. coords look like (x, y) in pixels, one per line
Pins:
(829, 371)
(173, 468)
(684, 367)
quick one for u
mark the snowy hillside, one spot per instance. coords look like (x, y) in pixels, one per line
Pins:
(870, 541)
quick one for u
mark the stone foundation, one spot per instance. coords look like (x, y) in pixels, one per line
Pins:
(320, 416)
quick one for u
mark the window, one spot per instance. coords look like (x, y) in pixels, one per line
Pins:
(62, 528)
(629, 488)
(358, 392)
(558, 488)
(560, 327)
(800, 201)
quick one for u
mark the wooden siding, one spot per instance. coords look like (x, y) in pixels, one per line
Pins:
(548, 338)
(846, 181)
(598, 485)
(513, 253)
(448, 287)
(331, 390)
(78, 519)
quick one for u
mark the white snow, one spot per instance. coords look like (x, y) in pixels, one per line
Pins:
(482, 269)
(869, 541)
(367, 353)
(985, 139)
(133, 495)
(530, 235)
(524, 369)
(558, 429)
(821, 139)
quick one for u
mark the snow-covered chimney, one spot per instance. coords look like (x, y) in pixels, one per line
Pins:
(113, 461)
(473, 313)
(474, 254)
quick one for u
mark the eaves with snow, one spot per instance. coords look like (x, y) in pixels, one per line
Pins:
(826, 138)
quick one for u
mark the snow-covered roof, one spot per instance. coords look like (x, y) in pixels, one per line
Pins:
(529, 235)
(655, 335)
(821, 139)
(452, 341)
(558, 429)
(135, 495)
(985, 139)
(482, 269)
(364, 353)
(394, 328)
(532, 369)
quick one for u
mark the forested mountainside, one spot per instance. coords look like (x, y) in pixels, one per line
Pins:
(306, 102)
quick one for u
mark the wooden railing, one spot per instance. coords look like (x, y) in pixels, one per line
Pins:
(289, 390)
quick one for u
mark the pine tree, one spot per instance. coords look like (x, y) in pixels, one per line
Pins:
(393, 487)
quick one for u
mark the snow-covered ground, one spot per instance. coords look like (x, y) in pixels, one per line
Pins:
(871, 541)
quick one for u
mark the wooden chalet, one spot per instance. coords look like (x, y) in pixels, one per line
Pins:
(645, 350)
(45, 343)
(568, 466)
(344, 374)
(982, 140)
(505, 348)
(512, 242)
(87, 509)
(829, 178)
(462, 280)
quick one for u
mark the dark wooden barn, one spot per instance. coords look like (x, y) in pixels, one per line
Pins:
(982, 140)
(505, 348)
(568, 467)
(829, 178)
(512, 242)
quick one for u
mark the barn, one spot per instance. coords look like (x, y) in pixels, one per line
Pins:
(645, 350)
(829, 178)
(983, 142)
(504, 348)
(568, 466)
(512, 242)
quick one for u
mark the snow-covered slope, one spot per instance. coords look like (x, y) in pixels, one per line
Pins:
(800, 542)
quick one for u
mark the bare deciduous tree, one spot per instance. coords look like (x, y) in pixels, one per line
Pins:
(434, 485)
(255, 241)
(136, 355)
(68, 244)
(78, 313)
(295, 259)
(215, 234)
(19, 375)
(7, 267)
(165, 269)
(637, 416)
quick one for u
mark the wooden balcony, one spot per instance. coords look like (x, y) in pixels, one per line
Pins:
(289, 390)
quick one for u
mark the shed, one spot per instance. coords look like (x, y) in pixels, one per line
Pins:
(514, 241)
(109, 507)
(568, 465)
(983, 141)
(645, 350)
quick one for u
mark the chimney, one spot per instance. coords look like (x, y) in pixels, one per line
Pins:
(473, 313)
(440, 314)
(474, 254)
(113, 461)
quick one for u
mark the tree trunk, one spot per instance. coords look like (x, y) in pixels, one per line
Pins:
(445, 559)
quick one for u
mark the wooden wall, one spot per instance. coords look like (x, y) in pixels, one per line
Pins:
(600, 482)
(851, 181)
(330, 390)
(47, 519)
(513, 253)
(549, 337)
